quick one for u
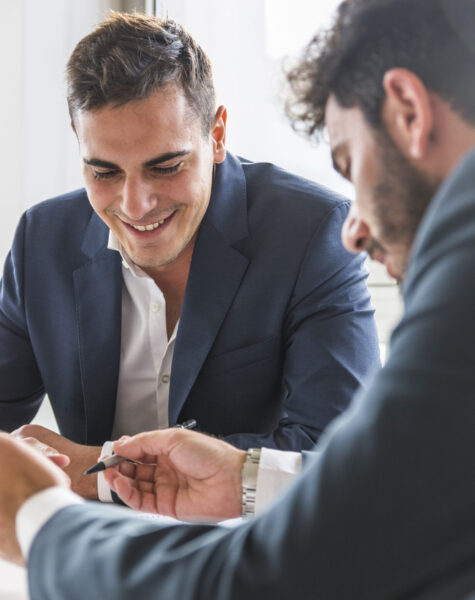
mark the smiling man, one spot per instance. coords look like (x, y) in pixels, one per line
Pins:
(152, 206)
(183, 282)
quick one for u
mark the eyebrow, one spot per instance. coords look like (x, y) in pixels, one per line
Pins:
(104, 164)
(166, 157)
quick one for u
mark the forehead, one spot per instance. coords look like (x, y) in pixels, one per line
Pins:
(347, 127)
(163, 116)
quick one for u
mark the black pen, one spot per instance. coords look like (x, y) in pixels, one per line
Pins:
(115, 459)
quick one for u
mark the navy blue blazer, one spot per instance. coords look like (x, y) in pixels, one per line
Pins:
(275, 335)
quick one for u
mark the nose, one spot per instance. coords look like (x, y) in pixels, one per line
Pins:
(355, 233)
(138, 198)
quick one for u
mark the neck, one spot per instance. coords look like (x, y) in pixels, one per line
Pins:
(172, 280)
(455, 138)
(174, 274)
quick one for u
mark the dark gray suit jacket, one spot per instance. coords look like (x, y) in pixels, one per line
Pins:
(387, 510)
(275, 335)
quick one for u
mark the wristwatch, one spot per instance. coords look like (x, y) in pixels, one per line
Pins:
(249, 481)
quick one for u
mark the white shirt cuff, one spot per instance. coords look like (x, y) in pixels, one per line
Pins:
(103, 490)
(38, 509)
(276, 470)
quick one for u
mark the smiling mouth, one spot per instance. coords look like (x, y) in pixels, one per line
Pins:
(151, 226)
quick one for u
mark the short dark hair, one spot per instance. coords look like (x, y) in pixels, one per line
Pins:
(130, 56)
(431, 38)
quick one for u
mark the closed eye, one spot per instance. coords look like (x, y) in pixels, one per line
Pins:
(167, 170)
(100, 175)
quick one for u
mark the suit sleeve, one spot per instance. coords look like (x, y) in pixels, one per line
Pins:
(331, 342)
(384, 511)
(21, 387)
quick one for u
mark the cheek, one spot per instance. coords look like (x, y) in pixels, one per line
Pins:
(99, 198)
(197, 192)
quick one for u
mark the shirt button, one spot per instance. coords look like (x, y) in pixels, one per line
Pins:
(155, 308)
(165, 378)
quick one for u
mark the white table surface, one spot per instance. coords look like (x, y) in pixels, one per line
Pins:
(13, 584)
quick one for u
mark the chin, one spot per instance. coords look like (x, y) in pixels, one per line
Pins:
(155, 262)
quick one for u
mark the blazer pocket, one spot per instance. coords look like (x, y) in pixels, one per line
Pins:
(241, 357)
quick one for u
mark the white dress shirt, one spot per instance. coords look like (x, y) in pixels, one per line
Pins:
(146, 356)
(146, 353)
(276, 469)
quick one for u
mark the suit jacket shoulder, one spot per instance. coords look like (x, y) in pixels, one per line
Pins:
(69, 222)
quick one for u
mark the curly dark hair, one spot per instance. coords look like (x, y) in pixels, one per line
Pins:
(432, 38)
(130, 56)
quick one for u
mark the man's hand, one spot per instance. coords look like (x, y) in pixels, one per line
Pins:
(24, 472)
(80, 457)
(60, 460)
(191, 476)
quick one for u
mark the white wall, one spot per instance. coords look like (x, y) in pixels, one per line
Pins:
(38, 152)
(11, 119)
(13, 579)
(246, 42)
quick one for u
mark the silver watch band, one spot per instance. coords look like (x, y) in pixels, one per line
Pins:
(249, 481)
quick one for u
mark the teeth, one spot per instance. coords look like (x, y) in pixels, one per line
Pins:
(150, 227)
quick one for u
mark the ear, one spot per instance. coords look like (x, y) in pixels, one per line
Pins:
(407, 112)
(218, 135)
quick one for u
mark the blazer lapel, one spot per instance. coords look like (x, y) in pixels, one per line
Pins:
(98, 294)
(217, 269)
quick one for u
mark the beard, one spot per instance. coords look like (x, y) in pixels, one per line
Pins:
(401, 196)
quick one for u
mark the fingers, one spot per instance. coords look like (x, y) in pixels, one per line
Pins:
(131, 447)
(137, 471)
(26, 461)
(127, 469)
(110, 475)
(149, 490)
(134, 473)
(143, 497)
(136, 494)
(43, 434)
(149, 443)
(61, 460)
